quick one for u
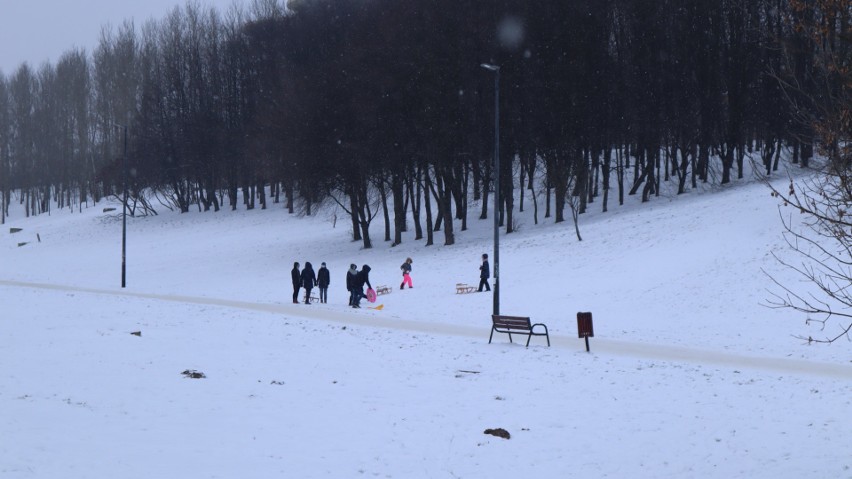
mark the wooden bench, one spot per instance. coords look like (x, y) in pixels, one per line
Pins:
(380, 290)
(516, 325)
(462, 288)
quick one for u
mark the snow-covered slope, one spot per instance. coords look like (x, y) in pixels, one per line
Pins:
(688, 375)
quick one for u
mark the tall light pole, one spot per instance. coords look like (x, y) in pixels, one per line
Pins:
(496, 70)
(124, 212)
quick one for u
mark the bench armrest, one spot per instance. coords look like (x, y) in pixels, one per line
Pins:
(539, 324)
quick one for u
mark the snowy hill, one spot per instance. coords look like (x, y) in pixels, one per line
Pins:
(688, 375)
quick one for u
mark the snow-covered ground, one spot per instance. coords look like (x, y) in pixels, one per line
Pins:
(688, 374)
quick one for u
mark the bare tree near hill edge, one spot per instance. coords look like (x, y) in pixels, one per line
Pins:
(821, 92)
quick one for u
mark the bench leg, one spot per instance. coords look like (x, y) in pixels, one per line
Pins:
(491, 336)
(546, 334)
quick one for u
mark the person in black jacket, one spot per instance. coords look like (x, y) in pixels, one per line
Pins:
(484, 273)
(323, 280)
(309, 280)
(350, 283)
(297, 282)
(362, 278)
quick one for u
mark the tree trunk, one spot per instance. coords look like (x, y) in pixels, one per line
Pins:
(508, 191)
(415, 191)
(487, 181)
(521, 184)
(727, 163)
(399, 209)
(703, 163)
(353, 213)
(777, 156)
(560, 184)
(582, 183)
(427, 196)
(445, 206)
(364, 215)
(384, 196)
(619, 174)
(605, 171)
(290, 194)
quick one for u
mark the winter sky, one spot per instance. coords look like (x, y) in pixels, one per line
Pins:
(40, 31)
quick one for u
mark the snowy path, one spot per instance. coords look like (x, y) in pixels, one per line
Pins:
(598, 345)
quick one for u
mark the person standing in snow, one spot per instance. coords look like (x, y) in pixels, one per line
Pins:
(323, 280)
(406, 274)
(350, 282)
(362, 278)
(309, 280)
(484, 273)
(297, 282)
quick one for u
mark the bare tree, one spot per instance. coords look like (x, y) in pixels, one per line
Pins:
(822, 240)
(822, 247)
(116, 94)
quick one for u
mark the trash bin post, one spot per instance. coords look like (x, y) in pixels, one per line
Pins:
(585, 329)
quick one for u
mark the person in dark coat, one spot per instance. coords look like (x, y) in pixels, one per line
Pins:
(362, 278)
(406, 274)
(484, 274)
(323, 280)
(350, 282)
(309, 280)
(297, 282)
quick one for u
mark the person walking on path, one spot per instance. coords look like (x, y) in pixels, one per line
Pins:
(484, 274)
(297, 282)
(323, 280)
(309, 280)
(350, 282)
(406, 274)
(362, 278)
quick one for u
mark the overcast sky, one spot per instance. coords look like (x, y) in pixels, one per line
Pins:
(35, 31)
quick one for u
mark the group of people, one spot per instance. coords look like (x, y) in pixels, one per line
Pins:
(355, 280)
(307, 279)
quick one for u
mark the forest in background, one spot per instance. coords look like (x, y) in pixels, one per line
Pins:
(382, 107)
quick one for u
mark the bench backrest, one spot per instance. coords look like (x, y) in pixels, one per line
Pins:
(511, 322)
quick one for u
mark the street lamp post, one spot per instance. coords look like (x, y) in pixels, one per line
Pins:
(124, 212)
(496, 70)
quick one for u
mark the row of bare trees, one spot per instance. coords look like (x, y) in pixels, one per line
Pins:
(381, 107)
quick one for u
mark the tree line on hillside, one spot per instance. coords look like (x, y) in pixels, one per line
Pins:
(382, 107)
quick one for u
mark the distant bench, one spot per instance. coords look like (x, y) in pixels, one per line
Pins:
(516, 325)
(380, 290)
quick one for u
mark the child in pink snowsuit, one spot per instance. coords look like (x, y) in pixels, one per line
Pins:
(406, 274)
